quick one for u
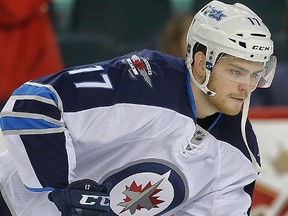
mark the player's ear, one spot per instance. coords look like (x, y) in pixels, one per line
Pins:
(199, 66)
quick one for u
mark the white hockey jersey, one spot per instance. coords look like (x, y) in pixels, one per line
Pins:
(129, 123)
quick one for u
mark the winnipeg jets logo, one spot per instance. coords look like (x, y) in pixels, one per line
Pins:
(140, 67)
(146, 187)
(212, 12)
(138, 198)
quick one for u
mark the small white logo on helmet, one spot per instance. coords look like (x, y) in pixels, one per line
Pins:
(214, 13)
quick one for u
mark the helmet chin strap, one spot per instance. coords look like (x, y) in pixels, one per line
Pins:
(203, 87)
(245, 111)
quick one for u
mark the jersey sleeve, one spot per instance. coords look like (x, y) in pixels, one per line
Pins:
(37, 138)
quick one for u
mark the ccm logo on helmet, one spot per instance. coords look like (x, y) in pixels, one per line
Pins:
(92, 199)
(262, 48)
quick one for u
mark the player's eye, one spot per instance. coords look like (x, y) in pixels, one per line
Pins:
(236, 72)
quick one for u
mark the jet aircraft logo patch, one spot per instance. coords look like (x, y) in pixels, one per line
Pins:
(146, 187)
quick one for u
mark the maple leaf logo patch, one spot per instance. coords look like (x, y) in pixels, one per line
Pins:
(138, 198)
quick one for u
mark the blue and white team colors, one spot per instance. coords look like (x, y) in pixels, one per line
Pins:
(130, 124)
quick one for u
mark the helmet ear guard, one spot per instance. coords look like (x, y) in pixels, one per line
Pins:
(208, 69)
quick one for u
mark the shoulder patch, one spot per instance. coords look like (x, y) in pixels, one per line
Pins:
(139, 67)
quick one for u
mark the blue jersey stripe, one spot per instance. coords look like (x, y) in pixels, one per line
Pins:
(39, 189)
(37, 107)
(31, 90)
(49, 158)
(19, 123)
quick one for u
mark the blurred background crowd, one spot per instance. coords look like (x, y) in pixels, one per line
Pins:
(38, 37)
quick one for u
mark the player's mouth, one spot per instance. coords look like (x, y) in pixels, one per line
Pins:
(238, 99)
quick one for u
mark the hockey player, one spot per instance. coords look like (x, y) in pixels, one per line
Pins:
(147, 133)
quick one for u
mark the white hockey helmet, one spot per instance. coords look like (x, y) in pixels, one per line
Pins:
(235, 30)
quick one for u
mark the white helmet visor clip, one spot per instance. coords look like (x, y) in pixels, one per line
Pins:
(268, 73)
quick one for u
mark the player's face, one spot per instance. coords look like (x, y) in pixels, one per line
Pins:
(233, 79)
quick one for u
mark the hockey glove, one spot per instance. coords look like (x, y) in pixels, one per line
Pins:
(84, 197)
